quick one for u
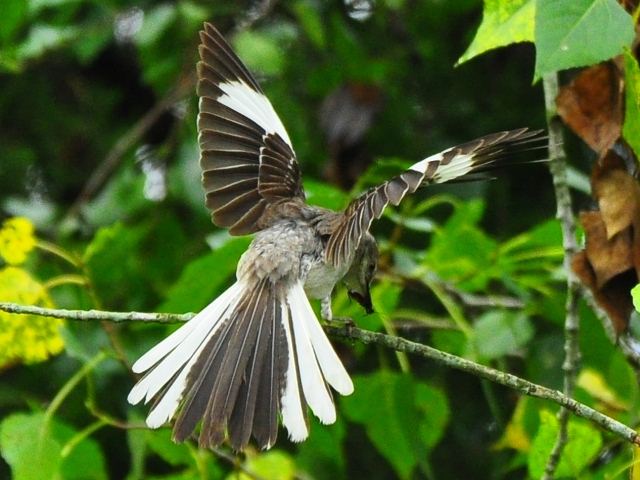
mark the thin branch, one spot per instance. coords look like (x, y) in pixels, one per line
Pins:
(564, 213)
(506, 379)
(395, 343)
(90, 315)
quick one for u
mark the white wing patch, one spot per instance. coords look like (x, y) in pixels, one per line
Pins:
(458, 166)
(245, 100)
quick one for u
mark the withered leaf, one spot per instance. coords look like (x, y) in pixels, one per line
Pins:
(614, 297)
(591, 105)
(610, 262)
(608, 257)
(617, 193)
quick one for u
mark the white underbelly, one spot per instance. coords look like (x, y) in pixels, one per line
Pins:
(321, 279)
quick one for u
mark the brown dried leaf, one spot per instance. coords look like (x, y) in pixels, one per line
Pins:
(607, 257)
(617, 193)
(614, 298)
(591, 105)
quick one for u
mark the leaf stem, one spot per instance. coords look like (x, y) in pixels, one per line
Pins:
(67, 279)
(80, 436)
(71, 384)
(59, 252)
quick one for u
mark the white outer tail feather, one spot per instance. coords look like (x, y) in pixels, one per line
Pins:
(316, 362)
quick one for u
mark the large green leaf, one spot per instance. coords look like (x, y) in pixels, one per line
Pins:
(579, 32)
(275, 465)
(29, 449)
(262, 51)
(33, 446)
(159, 441)
(584, 443)
(111, 246)
(322, 454)
(503, 22)
(498, 333)
(460, 252)
(403, 417)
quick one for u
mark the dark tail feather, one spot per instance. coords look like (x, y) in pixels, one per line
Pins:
(253, 353)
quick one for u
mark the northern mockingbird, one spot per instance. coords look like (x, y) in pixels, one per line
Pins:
(258, 352)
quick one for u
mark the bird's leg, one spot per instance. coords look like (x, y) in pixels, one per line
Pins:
(327, 314)
(325, 308)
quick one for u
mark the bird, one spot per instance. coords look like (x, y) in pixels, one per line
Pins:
(257, 354)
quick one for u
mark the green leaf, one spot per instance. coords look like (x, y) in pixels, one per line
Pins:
(32, 445)
(635, 295)
(503, 22)
(462, 253)
(311, 22)
(260, 51)
(584, 444)
(87, 452)
(322, 454)
(498, 333)
(29, 448)
(578, 33)
(325, 195)
(631, 128)
(275, 465)
(121, 197)
(114, 245)
(403, 417)
(159, 441)
(156, 23)
(204, 278)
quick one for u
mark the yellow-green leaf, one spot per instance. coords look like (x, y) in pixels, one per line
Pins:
(503, 22)
(584, 444)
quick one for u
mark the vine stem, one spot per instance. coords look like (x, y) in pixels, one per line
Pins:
(398, 344)
(564, 213)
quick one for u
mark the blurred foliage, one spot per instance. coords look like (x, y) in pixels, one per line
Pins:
(474, 269)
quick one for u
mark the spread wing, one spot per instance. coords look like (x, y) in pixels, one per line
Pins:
(468, 160)
(246, 156)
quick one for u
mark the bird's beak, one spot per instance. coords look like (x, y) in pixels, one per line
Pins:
(364, 300)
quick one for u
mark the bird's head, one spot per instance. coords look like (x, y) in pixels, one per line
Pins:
(363, 269)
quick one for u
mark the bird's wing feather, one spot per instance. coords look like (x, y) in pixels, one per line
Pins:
(453, 164)
(246, 156)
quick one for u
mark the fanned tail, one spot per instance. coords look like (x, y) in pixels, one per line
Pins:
(255, 352)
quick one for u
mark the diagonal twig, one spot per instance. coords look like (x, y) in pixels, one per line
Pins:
(367, 337)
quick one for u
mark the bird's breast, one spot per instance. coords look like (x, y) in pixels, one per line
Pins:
(321, 279)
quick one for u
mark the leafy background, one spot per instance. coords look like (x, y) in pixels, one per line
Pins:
(98, 151)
